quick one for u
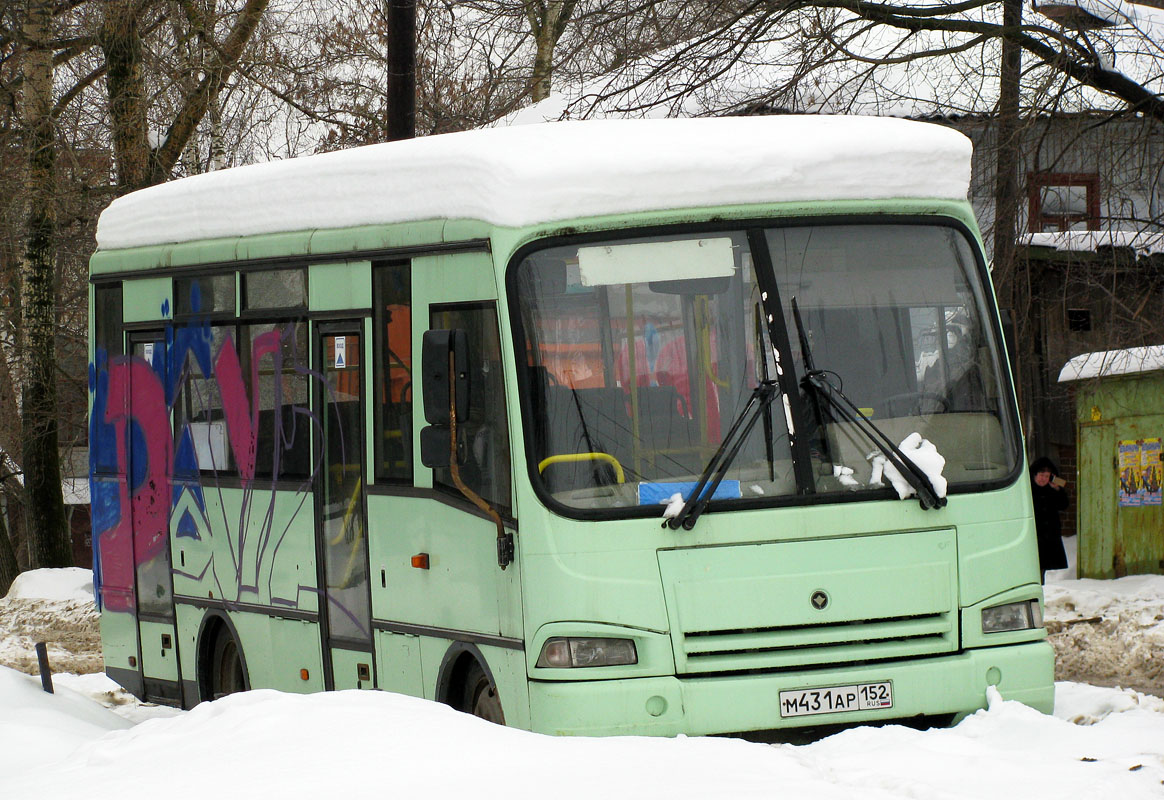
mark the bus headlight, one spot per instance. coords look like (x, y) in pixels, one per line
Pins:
(562, 651)
(1012, 617)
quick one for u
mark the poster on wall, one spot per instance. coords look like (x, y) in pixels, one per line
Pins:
(1140, 472)
(1150, 471)
(1129, 473)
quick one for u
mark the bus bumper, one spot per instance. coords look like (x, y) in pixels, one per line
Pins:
(667, 706)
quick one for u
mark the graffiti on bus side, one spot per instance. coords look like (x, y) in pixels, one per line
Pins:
(141, 482)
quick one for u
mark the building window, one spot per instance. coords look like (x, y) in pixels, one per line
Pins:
(1063, 201)
(1079, 320)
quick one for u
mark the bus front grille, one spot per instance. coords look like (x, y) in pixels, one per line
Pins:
(805, 646)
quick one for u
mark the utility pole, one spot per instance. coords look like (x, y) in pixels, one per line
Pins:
(1006, 193)
(401, 99)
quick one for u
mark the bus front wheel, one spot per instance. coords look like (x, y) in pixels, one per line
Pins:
(481, 699)
(226, 667)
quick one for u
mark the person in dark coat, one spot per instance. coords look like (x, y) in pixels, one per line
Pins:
(1050, 499)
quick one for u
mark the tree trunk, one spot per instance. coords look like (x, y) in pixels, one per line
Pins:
(122, 47)
(47, 529)
(547, 29)
(9, 569)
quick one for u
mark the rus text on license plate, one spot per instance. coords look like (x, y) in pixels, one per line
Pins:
(834, 699)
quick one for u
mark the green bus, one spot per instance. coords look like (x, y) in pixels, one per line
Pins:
(617, 427)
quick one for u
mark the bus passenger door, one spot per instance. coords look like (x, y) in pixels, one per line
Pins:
(341, 512)
(149, 448)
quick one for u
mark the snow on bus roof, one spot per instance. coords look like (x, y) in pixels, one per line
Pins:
(1113, 362)
(554, 172)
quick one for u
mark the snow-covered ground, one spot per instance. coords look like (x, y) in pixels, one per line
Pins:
(1107, 633)
(91, 740)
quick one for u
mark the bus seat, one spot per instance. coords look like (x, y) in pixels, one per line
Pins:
(584, 421)
(663, 423)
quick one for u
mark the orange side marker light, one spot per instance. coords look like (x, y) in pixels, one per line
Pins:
(420, 561)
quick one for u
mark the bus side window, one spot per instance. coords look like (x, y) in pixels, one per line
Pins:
(108, 342)
(486, 468)
(200, 407)
(392, 343)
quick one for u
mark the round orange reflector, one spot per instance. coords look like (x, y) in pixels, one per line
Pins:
(304, 674)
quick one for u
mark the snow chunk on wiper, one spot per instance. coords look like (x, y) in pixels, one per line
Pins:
(845, 476)
(674, 506)
(921, 452)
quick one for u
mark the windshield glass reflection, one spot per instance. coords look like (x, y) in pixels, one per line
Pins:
(640, 353)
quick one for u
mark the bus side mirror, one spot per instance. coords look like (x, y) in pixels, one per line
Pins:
(436, 378)
(436, 347)
(434, 446)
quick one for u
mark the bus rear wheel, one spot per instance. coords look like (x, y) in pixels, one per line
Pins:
(481, 699)
(226, 668)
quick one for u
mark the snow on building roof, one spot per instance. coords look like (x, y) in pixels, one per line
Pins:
(1089, 13)
(1113, 362)
(1143, 243)
(785, 69)
(547, 173)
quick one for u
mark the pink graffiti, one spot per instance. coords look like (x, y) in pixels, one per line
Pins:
(242, 416)
(137, 395)
(140, 535)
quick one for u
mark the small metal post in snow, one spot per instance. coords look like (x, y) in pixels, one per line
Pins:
(46, 673)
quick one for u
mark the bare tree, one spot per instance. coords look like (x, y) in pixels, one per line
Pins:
(48, 533)
(132, 85)
(1019, 86)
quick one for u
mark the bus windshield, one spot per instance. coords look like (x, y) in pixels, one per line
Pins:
(893, 316)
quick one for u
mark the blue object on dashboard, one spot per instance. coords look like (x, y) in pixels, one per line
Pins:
(654, 493)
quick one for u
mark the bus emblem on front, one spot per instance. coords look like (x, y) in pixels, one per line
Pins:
(819, 600)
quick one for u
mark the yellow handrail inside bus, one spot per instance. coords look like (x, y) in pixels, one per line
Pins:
(571, 457)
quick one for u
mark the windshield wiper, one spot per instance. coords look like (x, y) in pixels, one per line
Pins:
(926, 494)
(815, 380)
(729, 448)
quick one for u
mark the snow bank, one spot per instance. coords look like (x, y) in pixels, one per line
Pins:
(1084, 704)
(54, 606)
(268, 744)
(1099, 743)
(1106, 632)
(544, 173)
(64, 585)
(37, 728)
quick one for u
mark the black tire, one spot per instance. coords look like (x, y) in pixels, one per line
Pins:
(227, 675)
(480, 696)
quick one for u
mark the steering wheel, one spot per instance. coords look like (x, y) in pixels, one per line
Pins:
(912, 403)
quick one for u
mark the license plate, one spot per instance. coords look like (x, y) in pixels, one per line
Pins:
(835, 699)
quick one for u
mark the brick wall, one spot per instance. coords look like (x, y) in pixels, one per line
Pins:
(1069, 471)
